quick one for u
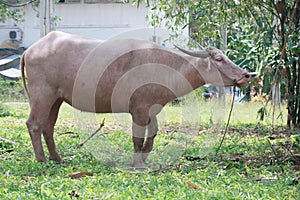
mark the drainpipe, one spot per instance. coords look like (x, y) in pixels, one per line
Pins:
(46, 12)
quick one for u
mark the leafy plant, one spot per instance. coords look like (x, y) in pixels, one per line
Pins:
(11, 90)
(295, 138)
(4, 112)
(8, 12)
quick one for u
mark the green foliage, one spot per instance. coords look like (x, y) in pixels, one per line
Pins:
(4, 112)
(199, 91)
(261, 113)
(11, 90)
(16, 14)
(295, 138)
(261, 36)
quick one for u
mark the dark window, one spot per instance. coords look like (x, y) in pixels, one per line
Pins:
(93, 1)
(105, 1)
(69, 1)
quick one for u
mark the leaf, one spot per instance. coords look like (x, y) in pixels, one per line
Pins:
(193, 186)
(295, 49)
(261, 113)
(296, 181)
(76, 175)
(295, 138)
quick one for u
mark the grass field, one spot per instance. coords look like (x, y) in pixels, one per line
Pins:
(258, 160)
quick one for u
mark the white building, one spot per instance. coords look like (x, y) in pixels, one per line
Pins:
(101, 19)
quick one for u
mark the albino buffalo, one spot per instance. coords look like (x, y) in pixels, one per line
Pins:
(121, 75)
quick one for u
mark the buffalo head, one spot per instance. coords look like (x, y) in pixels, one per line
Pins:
(218, 63)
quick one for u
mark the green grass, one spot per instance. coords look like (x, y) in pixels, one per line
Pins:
(183, 164)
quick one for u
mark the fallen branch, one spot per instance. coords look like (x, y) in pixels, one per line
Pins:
(7, 141)
(265, 179)
(76, 175)
(66, 133)
(7, 150)
(92, 135)
(193, 186)
(276, 156)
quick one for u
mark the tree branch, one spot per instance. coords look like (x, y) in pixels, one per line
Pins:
(93, 134)
(7, 141)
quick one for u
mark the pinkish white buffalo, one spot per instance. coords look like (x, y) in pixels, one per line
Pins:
(115, 76)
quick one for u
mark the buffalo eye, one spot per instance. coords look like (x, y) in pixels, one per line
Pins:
(219, 58)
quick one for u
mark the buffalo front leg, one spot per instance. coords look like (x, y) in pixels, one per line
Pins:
(49, 130)
(138, 137)
(152, 131)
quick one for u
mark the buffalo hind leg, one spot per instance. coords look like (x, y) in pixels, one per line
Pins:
(37, 120)
(49, 130)
(35, 130)
(152, 131)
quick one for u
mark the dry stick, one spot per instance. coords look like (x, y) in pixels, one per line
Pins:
(7, 150)
(293, 155)
(66, 133)
(226, 128)
(7, 140)
(92, 135)
(265, 179)
(277, 157)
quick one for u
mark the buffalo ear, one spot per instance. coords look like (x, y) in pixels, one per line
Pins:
(201, 54)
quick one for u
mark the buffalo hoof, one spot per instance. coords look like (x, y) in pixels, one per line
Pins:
(41, 159)
(56, 158)
(137, 161)
(138, 165)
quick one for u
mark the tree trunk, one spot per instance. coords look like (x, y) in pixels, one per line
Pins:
(294, 98)
(288, 96)
(298, 88)
(276, 95)
(295, 20)
(291, 37)
(297, 61)
(222, 90)
(297, 98)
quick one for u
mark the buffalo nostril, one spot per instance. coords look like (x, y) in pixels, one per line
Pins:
(247, 76)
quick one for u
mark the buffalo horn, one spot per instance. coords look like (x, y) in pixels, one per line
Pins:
(201, 54)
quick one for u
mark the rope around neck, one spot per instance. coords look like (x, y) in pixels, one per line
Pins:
(226, 128)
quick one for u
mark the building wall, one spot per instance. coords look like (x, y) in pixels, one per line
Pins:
(101, 21)
(96, 20)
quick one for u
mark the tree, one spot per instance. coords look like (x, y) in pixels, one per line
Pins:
(263, 35)
(12, 9)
